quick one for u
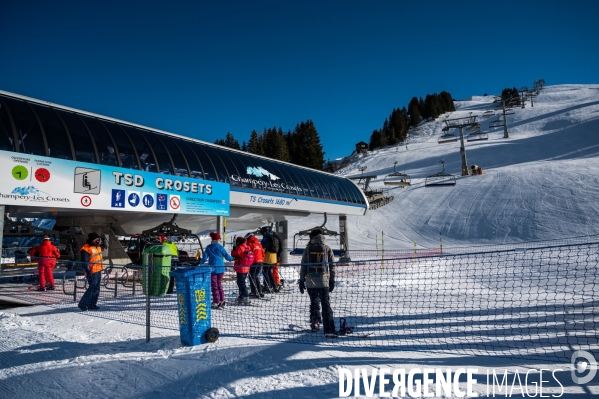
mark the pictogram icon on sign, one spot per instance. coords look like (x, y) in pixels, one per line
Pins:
(86, 201)
(175, 203)
(42, 175)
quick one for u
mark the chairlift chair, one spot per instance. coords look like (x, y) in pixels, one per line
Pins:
(447, 138)
(440, 179)
(473, 128)
(397, 179)
(496, 123)
(477, 136)
(488, 114)
(300, 237)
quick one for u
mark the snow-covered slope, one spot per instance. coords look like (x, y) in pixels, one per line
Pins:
(540, 183)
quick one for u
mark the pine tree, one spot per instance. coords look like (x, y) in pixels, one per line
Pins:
(275, 145)
(231, 142)
(414, 112)
(375, 139)
(255, 143)
(446, 102)
(308, 150)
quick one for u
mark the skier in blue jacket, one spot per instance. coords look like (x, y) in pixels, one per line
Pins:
(214, 254)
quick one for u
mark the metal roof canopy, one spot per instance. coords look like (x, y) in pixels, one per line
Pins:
(317, 191)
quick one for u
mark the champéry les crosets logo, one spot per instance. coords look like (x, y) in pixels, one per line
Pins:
(32, 194)
(270, 184)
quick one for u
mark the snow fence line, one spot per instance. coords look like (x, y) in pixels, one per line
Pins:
(539, 302)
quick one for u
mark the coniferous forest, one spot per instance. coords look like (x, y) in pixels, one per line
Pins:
(302, 146)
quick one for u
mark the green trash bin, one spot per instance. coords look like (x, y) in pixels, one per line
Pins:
(159, 270)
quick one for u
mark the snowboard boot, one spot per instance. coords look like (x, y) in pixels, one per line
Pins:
(314, 325)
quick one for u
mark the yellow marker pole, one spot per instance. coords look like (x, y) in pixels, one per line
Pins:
(414, 251)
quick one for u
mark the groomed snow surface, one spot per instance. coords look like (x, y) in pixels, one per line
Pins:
(541, 183)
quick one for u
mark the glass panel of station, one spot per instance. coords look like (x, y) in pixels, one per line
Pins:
(178, 158)
(162, 157)
(325, 186)
(82, 142)
(323, 180)
(222, 174)
(59, 143)
(287, 174)
(336, 189)
(309, 189)
(123, 144)
(207, 164)
(146, 157)
(104, 144)
(7, 138)
(318, 179)
(237, 168)
(353, 191)
(29, 133)
(195, 166)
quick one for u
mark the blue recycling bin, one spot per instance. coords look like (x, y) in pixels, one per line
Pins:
(193, 301)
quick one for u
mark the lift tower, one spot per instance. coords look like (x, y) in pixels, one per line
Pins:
(461, 123)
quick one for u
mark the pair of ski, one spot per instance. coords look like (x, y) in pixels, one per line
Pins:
(296, 328)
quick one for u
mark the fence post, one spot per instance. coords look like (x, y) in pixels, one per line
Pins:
(75, 284)
(414, 250)
(383, 248)
(132, 279)
(116, 285)
(148, 262)
(441, 241)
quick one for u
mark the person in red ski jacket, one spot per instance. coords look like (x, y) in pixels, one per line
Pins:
(256, 268)
(242, 270)
(46, 255)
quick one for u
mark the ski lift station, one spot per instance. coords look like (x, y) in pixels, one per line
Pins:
(94, 173)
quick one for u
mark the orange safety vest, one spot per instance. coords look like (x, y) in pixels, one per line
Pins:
(95, 257)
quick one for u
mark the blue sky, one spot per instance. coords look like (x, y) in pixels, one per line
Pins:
(202, 69)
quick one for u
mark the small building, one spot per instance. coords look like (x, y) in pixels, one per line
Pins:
(361, 148)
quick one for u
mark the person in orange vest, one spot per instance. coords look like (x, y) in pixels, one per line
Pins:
(91, 260)
(46, 255)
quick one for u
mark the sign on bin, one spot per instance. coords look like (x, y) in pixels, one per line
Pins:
(193, 302)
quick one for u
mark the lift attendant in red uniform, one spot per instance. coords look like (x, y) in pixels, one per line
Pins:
(46, 255)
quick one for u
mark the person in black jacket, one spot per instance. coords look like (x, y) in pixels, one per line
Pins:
(317, 274)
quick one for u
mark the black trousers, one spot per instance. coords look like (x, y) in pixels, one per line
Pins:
(318, 297)
(243, 288)
(269, 279)
(255, 285)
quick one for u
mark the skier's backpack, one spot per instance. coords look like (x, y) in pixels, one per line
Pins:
(248, 258)
(274, 244)
(317, 259)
